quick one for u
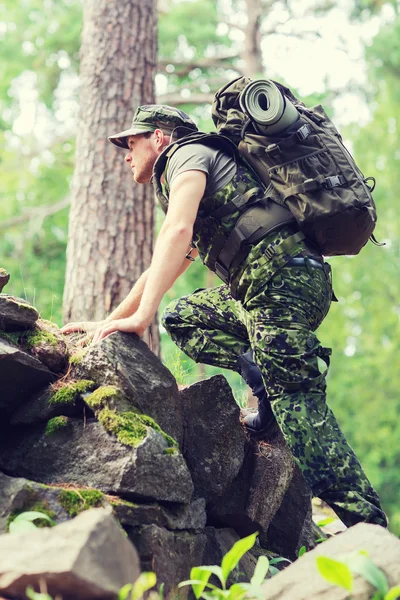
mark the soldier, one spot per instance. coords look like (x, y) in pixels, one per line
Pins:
(261, 322)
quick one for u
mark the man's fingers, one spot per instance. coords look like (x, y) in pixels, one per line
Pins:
(84, 341)
(71, 327)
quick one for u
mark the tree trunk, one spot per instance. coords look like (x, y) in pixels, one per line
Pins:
(252, 55)
(111, 227)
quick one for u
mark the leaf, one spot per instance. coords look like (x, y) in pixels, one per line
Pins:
(335, 572)
(32, 515)
(260, 572)
(393, 593)
(278, 559)
(199, 579)
(237, 591)
(326, 521)
(234, 555)
(302, 551)
(18, 526)
(161, 592)
(364, 566)
(124, 591)
(143, 583)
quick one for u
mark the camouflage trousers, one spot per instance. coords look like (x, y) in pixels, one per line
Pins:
(278, 325)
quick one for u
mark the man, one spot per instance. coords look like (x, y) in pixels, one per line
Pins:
(261, 323)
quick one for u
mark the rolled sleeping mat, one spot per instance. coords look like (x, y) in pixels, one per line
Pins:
(268, 107)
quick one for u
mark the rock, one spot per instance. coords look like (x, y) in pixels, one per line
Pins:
(125, 361)
(302, 581)
(66, 400)
(188, 517)
(170, 554)
(60, 504)
(16, 314)
(21, 376)
(86, 455)
(219, 542)
(4, 279)
(48, 345)
(214, 439)
(292, 525)
(252, 502)
(83, 559)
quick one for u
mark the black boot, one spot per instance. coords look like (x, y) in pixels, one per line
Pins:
(264, 418)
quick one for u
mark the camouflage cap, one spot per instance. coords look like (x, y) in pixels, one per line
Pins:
(151, 117)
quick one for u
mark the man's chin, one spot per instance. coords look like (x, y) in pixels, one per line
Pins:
(140, 178)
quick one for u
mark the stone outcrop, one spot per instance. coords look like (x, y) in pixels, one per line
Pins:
(302, 581)
(21, 375)
(125, 362)
(16, 314)
(87, 455)
(87, 558)
(177, 468)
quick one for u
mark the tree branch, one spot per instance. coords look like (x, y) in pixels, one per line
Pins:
(40, 212)
(175, 99)
(184, 68)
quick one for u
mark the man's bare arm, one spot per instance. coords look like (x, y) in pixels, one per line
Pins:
(171, 247)
(128, 306)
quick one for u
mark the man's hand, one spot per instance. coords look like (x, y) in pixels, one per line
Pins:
(88, 327)
(134, 324)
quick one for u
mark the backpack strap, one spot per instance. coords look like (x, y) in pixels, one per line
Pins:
(311, 185)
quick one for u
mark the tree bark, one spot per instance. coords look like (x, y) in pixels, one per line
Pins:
(111, 226)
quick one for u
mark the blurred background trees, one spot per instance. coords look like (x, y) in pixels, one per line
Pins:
(201, 45)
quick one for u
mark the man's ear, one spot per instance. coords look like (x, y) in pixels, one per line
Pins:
(161, 139)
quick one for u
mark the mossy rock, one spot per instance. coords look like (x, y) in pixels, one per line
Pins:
(70, 392)
(76, 501)
(56, 424)
(131, 427)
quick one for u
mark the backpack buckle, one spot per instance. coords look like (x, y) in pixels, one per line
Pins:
(273, 149)
(304, 131)
(222, 272)
(334, 181)
(270, 252)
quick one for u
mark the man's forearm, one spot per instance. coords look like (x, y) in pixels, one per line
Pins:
(131, 303)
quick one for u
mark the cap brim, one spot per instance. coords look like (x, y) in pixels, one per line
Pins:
(121, 139)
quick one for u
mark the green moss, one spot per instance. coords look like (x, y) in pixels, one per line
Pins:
(69, 392)
(118, 501)
(97, 399)
(11, 336)
(171, 450)
(30, 338)
(37, 336)
(74, 502)
(130, 427)
(56, 424)
(33, 504)
(78, 356)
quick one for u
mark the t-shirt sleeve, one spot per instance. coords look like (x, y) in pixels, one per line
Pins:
(192, 157)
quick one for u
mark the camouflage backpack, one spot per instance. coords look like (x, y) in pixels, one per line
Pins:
(306, 169)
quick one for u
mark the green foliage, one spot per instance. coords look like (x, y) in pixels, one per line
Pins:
(56, 424)
(76, 501)
(335, 572)
(339, 573)
(200, 576)
(136, 591)
(68, 393)
(130, 427)
(25, 521)
(99, 397)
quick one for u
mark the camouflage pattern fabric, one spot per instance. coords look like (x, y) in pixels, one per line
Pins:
(278, 322)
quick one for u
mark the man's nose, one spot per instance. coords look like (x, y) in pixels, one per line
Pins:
(128, 157)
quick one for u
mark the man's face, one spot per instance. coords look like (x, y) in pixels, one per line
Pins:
(141, 157)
